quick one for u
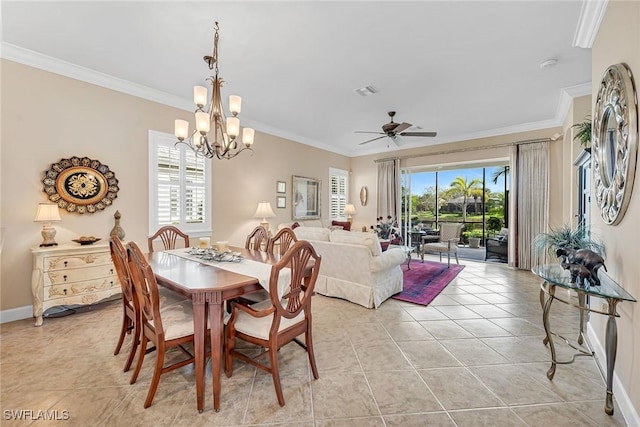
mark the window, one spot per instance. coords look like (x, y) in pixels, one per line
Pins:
(338, 188)
(179, 186)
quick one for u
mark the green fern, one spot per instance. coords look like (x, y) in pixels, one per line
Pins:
(567, 236)
(583, 133)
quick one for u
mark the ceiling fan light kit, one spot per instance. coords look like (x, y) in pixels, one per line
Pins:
(394, 130)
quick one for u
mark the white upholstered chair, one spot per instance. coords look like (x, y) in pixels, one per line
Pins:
(449, 238)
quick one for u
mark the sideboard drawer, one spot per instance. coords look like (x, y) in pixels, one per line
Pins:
(78, 288)
(73, 261)
(57, 277)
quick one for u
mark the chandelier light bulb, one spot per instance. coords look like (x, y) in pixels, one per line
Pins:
(235, 104)
(247, 136)
(202, 122)
(181, 129)
(200, 95)
(233, 126)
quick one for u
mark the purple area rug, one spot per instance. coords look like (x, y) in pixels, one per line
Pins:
(426, 280)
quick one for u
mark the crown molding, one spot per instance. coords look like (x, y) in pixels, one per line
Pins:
(57, 66)
(67, 69)
(591, 16)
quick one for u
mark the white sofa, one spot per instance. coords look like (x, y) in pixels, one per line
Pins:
(353, 265)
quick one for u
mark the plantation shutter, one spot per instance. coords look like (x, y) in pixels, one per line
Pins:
(179, 186)
(338, 185)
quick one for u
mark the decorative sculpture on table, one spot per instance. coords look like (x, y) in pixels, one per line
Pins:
(583, 264)
(117, 230)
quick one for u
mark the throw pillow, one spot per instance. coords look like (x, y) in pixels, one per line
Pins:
(346, 225)
(295, 225)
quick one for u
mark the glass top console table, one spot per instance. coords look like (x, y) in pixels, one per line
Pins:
(555, 276)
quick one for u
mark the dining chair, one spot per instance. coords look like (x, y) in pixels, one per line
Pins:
(169, 235)
(167, 326)
(257, 238)
(448, 243)
(130, 305)
(278, 321)
(282, 240)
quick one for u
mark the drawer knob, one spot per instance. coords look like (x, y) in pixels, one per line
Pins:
(64, 277)
(65, 291)
(111, 282)
(65, 263)
(111, 271)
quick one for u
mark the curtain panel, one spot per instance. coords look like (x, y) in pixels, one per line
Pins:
(388, 189)
(532, 194)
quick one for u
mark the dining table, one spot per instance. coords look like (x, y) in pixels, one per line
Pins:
(208, 285)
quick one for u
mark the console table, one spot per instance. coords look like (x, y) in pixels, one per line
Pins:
(608, 290)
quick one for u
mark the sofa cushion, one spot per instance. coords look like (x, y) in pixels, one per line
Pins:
(370, 240)
(346, 225)
(312, 233)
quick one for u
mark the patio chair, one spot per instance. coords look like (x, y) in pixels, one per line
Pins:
(449, 238)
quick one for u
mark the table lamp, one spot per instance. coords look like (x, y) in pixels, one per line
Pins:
(264, 211)
(350, 210)
(47, 213)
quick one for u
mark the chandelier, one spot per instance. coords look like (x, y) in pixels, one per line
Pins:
(216, 135)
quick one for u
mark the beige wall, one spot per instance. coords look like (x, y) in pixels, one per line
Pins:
(46, 117)
(618, 40)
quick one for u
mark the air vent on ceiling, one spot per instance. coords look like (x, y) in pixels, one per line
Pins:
(366, 90)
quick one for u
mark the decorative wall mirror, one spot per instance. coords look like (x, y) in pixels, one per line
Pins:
(615, 142)
(80, 185)
(363, 196)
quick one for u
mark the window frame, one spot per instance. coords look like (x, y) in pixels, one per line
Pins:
(157, 139)
(340, 173)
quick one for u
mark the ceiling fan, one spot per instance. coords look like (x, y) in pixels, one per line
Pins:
(395, 130)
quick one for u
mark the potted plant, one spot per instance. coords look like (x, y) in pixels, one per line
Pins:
(567, 237)
(583, 133)
(473, 236)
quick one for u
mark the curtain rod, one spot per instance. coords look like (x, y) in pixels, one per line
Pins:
(460, 150)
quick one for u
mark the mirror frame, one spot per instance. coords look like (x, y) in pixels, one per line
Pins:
(617, 98)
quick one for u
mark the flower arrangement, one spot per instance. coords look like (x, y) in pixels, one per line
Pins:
(386, 228)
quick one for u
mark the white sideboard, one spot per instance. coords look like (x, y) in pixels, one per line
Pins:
(70, 274)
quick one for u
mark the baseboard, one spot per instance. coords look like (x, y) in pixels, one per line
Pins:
(18, 313)
(629, 413)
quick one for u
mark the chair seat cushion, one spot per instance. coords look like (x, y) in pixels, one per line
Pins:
(177, 319)
(440, 247)
(259, 326)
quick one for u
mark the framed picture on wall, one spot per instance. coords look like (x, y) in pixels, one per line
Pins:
(281, 187)
(281, 202)
(305, 198)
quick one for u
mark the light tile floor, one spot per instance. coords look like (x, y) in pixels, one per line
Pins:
(474, 357)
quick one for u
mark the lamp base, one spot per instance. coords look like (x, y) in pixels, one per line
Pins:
(265, 224)
(48, 234)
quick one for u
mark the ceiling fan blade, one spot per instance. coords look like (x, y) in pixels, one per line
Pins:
(429, 134)
(402, 126)
(371, 140)
(397, 140)
(364, 131)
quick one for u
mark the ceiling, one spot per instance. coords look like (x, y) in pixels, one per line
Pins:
(464, 69)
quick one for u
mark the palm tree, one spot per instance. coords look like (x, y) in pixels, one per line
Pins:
(504, 171)
(465, 188)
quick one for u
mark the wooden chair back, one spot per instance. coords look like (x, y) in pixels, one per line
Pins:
(257, 238)
(179, 321)
(169, 234)
(289, 306)
(282, 241)
(130, 306)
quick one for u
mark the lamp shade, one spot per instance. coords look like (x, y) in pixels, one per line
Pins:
(349, 209)
(47, 212)
(264, 210)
